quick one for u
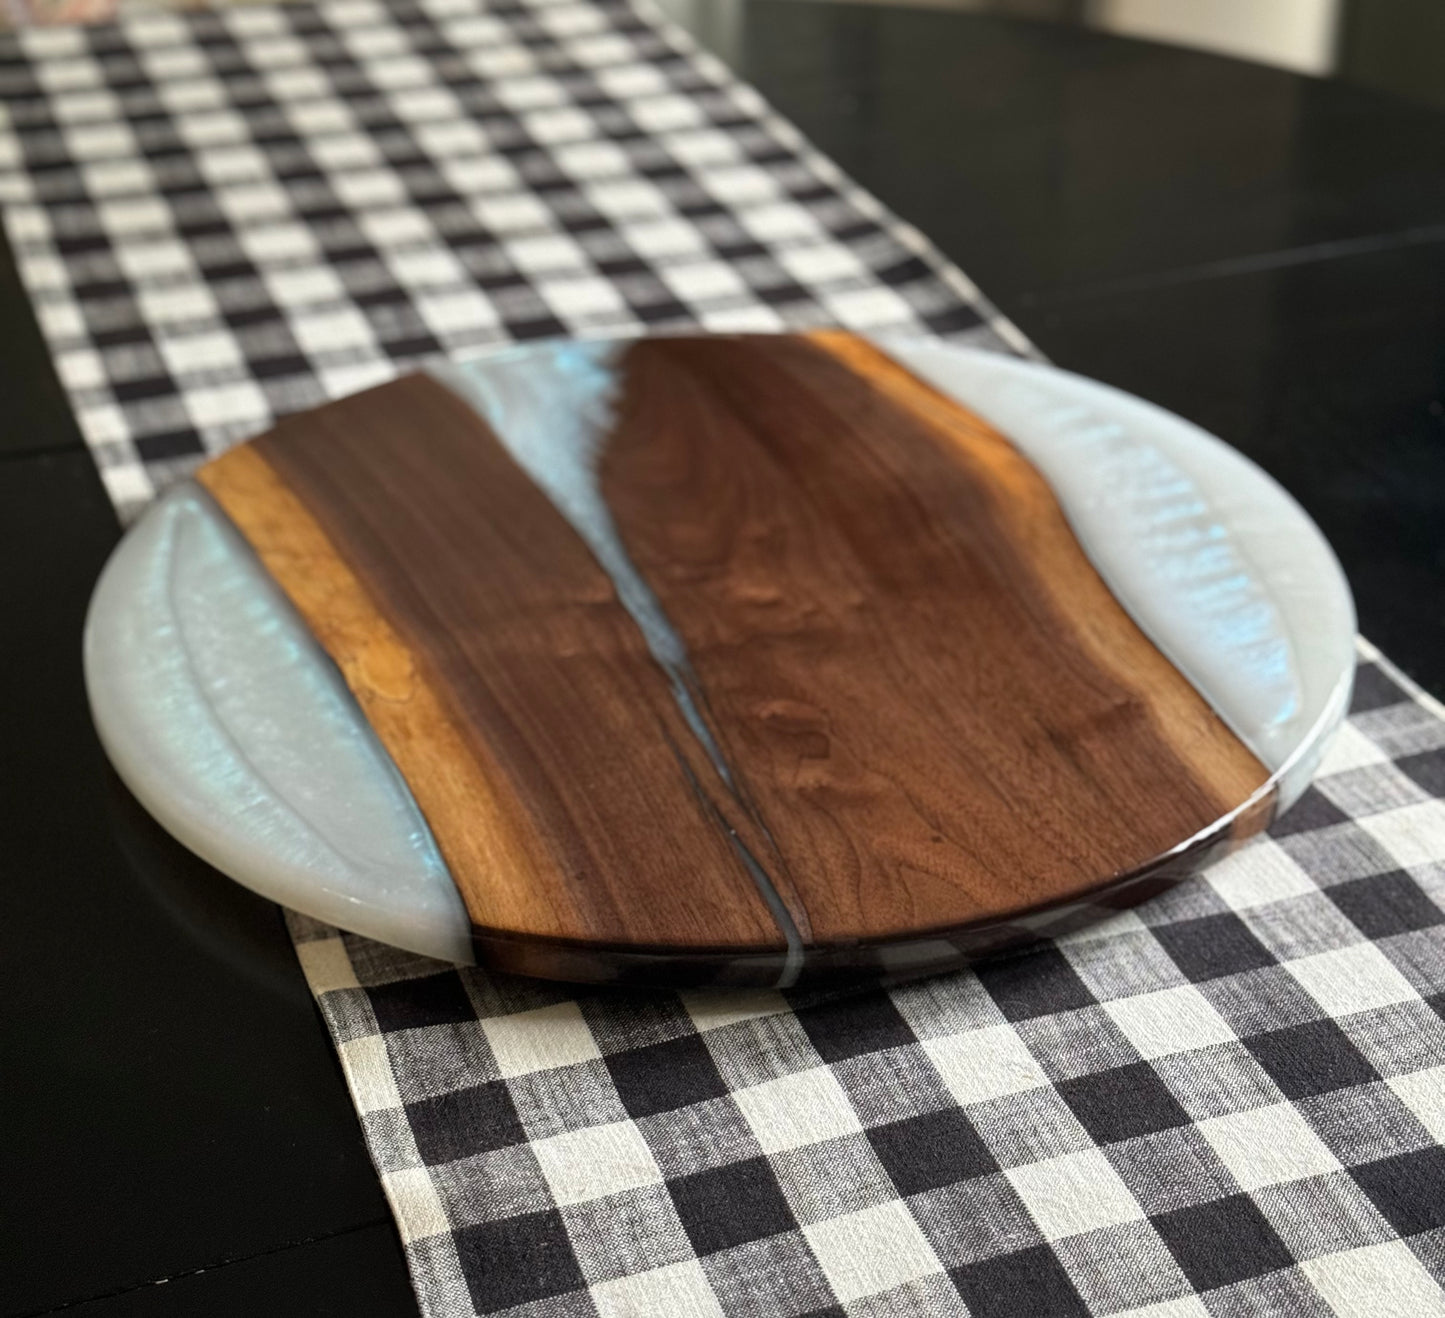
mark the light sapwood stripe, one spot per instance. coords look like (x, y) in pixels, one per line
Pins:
(557, 735)
(470, 811)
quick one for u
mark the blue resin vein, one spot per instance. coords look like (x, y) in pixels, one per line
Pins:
(551, 406)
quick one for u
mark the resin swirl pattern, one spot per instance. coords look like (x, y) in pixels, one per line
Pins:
(737, 657)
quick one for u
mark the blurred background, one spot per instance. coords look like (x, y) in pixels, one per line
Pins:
(1395, 45)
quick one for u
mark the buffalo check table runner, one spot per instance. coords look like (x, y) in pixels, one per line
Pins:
(226, 217)
(1229, 1102)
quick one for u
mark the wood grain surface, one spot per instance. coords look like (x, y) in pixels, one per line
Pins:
(908, 707)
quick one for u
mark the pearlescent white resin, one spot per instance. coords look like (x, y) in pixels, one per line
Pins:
(1218, 565)
(551, 406)
(235, 730)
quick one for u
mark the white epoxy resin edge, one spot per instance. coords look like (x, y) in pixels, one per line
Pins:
(235, 730)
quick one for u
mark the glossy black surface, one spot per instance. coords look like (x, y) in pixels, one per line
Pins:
(357, 1274)
(1263, 254)
(170, 1100)
(1043, 158)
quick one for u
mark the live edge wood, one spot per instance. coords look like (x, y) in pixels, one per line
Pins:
(934, 720)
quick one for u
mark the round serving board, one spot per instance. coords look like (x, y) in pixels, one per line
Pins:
(728, 659)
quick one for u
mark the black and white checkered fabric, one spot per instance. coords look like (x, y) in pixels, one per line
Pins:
(1230, 1102)
(223, 218)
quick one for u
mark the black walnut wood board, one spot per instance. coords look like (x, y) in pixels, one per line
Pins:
(886, 708)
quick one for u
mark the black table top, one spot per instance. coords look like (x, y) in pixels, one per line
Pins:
(1263, 253)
